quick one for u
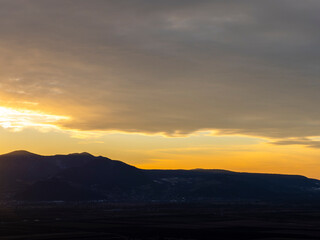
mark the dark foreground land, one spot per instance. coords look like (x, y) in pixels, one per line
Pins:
(90, 221)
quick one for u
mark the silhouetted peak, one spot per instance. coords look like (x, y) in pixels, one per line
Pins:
(20, 153)
(82, 154)
(86, 154)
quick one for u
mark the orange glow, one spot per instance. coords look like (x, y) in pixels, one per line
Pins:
(154, 151)
(18, 119)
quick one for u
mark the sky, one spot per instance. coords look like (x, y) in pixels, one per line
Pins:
(171, 84)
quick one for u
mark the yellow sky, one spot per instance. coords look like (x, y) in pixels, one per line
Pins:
(164, 84)
(39, 132)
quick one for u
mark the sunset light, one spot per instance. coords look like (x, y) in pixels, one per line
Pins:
(118, 119)
(18, 119)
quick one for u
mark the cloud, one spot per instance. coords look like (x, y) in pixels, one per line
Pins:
(299, 141)
(17, 120)
(173, 67)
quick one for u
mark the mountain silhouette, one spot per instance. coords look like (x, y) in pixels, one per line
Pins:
(55, 189)
(82, 176)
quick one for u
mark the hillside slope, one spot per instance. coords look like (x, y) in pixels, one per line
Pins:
(82, 176)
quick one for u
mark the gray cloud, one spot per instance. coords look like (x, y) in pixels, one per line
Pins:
(248, 67)
(299, 141)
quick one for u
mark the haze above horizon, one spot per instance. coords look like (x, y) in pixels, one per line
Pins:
(164, 84)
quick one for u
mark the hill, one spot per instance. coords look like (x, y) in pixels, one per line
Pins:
(82, 176)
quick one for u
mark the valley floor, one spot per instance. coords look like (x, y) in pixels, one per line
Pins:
(90, 221)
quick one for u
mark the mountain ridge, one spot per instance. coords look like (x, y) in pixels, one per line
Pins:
(22, 152)
(82, 176)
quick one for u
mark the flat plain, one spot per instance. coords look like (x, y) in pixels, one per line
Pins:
(90, 221)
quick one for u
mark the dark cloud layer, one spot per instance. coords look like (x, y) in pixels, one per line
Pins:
(299, 141)
(248, 67)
